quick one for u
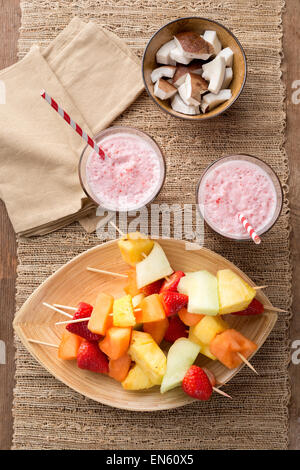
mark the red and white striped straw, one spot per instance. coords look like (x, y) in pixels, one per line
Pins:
(249, 229)
(73, 124)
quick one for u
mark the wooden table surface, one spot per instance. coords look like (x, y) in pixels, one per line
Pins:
(10, 21)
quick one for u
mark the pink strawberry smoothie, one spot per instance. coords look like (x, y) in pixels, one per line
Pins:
(132, 174)
(234, 187)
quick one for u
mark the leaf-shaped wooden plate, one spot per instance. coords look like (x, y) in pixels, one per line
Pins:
(73, 283)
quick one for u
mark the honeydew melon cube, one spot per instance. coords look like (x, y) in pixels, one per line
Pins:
(202, 289)
(154, 267)
(182, 354)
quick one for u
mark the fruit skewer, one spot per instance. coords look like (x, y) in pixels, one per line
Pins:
(107, 340)
(125, 276)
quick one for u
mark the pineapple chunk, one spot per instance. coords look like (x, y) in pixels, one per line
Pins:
(137, 379)
(134, 246)
(154, 267)
(208, 328)
(148, 355)
(123, 315)
(234, 293)
(204, 348)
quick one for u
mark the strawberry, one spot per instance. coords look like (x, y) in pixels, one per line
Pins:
(172, 283)
(196, 384)
(153, 288)
(173, 302)
(176, 329)
(254, 308)
(81, 329)
(91, 358)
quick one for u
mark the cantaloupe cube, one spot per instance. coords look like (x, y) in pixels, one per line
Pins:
(119, 368)
(133, 246)
(208, 328)
(123, 312)
(148, 355)
(189, 319)
(234, 293)
(204, 348)
(226, 345)
(100, 320)
(116, 342)
(152, 309)
(131, 287)
(157, 329)
(137, 379)
(69, 345)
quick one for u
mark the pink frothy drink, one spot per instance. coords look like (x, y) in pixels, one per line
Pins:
(131, 176)
(239, 184)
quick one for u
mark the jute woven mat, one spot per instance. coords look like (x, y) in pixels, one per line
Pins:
(47, 414)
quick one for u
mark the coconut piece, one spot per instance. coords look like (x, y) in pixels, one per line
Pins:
(192, 89)
(212, 38)
(227, 53)
(188, 100)
(196, 68)
(179, 105)
(164, 71)
(214, 72)
(163, 54)
(228, 77)
(164, 90)
(180, 75)
(211, 100)
(179, 56)
(193, 46)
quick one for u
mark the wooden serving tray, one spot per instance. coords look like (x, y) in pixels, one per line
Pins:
(73, 283)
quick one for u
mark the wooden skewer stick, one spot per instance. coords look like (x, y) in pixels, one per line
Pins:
(65, 306)
(247, 362)
(57, 310)
(43, 343)
(217, 390)
(110, 273)
(259, 287)
(274, 309)
(117, 228)
(78, 320)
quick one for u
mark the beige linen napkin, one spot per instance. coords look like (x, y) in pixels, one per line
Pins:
(95, 77)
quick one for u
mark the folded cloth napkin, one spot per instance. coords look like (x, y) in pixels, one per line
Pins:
(94, 76)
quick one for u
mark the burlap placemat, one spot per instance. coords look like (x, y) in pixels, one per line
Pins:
(47, 414)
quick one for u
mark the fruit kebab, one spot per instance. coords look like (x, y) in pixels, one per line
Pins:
(126, 337)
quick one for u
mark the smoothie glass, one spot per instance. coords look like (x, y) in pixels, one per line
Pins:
(236, 189)
(138, 170)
